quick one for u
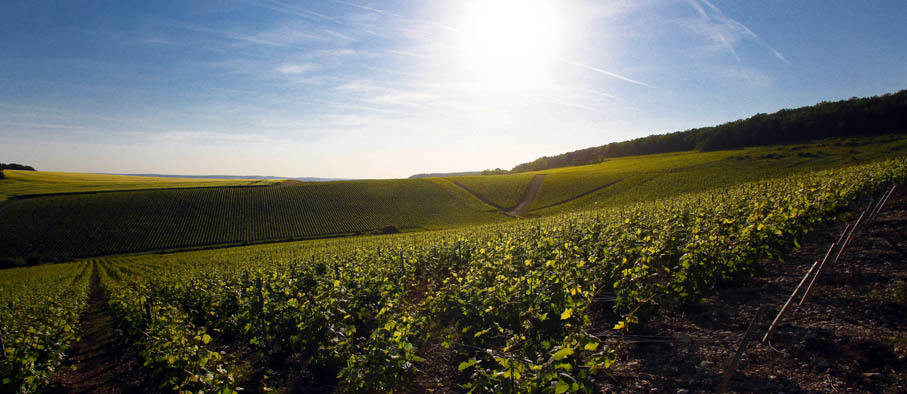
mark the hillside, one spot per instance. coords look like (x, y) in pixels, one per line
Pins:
(25, 183)
(855, 117)
(568, 301)
(78, 225)
(64, 226)
(633, 179)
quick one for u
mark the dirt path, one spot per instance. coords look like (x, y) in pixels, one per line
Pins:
(528, 197)
(850, 336)
(104, 364)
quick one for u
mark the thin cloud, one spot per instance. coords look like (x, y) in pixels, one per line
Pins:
(726, 30)
(290, 68)
(292, 9)
(608, 73)
(385, 12)
(44, 125)
(406, 53)
(552, 100)
(380, 11)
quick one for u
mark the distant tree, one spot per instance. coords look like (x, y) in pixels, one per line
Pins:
(496, 171)
(847, 118)
(14, 166)
(1, 177)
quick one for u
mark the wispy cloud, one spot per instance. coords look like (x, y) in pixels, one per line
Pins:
(32, 125)
(552, 100)
(291, 68)
(380, 11)
(292, 9)
(726, 31)
(399, 16)
(608, 73)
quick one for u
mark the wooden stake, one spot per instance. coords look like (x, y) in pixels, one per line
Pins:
(850, 236)
(771, 328)
(816, 276)
(732, 366)
(882, 204)
(841, 238)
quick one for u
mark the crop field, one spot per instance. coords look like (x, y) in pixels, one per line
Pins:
(502, 190)
(39, 315)
(57, 227)
(495, 308)
(640, 178)
(24, 183)
(53, 228)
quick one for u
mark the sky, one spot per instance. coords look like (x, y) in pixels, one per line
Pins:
(387, 89)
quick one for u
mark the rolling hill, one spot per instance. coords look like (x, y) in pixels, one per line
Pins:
(103, 222)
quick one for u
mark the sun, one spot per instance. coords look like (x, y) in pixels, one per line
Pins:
(509, 41)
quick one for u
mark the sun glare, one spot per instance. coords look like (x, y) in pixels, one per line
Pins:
(509, 41)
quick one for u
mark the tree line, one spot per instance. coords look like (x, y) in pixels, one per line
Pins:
(846, 118)
(14, 166)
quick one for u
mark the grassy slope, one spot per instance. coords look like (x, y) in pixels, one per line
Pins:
(639, 178)
(503, 190)
(117, 222)
(23, 183)
(82, 225)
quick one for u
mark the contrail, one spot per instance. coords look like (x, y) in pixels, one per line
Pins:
(608, 73)
(385, 12)
(370, 9)
(730, 21)
(298, 11)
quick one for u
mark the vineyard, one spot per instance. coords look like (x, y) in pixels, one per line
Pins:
(97, 224)
(530, 306)
(503, 191)
(39, 312)
(640, 178)
(59, 227)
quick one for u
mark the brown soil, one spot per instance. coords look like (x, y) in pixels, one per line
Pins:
(100, 362)
(528, 197)
(850, 335)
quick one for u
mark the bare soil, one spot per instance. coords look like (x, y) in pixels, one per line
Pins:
(528, 197)
(849, 336)
(100, 362)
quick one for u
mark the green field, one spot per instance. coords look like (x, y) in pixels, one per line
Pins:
(641, 178)
(496, 308)
(24, 183)
(65, 226)
(58, 227)
(503, 191)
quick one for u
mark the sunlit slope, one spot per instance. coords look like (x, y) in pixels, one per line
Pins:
(640, 178)
(503, 191)
(23, 183)
(118, 222)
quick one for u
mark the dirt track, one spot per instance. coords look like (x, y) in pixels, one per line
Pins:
(103, 362)
(528, 197)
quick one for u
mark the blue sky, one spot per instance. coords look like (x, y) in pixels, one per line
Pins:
(380, 89)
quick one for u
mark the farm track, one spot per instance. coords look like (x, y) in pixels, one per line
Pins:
(528, 197)
(850, 335)
(103, 363)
